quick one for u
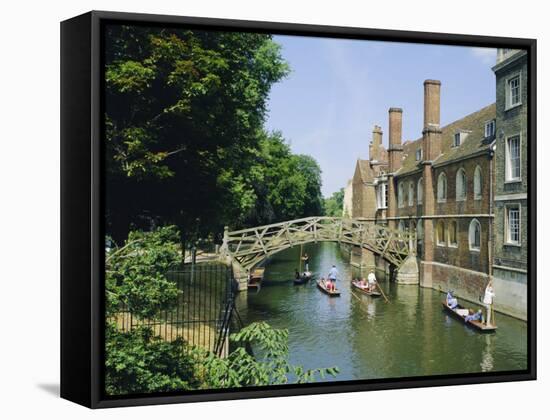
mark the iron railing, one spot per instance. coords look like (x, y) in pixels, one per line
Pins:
(203, 311)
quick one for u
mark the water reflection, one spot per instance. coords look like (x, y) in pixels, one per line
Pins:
(369, 338)
(487, 358)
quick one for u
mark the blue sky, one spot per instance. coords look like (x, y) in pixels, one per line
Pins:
(338, 89)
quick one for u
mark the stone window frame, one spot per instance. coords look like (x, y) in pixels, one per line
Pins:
(455, 137)
(410, 194)
(400, 195)
(478, 181)
(463, 185)
(440, 236)
(508, 91)
(451, 244)
(442, 184)
(507, 208)
(471, 236)
(420, 191)
(507, 163)
(418, 154)
(382, 196)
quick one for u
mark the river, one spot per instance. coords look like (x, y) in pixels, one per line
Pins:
(367, 338)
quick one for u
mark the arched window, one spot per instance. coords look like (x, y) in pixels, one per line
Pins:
(477, 183)
(453, 233)
(411, 193)
(461, 185)
(440, 233)
(400, 193)
(475, 235)
(442, 188)
(420, 191)
(419, 230)
(402, 226)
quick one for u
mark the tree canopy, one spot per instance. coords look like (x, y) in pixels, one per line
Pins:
(334, 205)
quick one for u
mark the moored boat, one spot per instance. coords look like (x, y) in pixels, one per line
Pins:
(364, 289)
(322, 285)
(255, 278)
(460, 313)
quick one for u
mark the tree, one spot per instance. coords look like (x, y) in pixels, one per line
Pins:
(334, 206)
(285, 186)
(184, 113)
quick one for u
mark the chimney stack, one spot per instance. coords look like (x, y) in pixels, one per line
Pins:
(395, 149)
(374, 148)
(377, 135)
(431, 103)
(432, 130)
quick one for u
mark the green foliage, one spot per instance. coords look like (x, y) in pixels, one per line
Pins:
(285, 186)
(137, 362)
(184, 110)
(334, 206)
(136, 273)
(185, 134)
(270, 367)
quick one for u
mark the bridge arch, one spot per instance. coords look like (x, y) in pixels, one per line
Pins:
(246, 248)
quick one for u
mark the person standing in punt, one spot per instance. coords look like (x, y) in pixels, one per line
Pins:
(333, 275)
(305, 258)
(372, 281)
(488, 301)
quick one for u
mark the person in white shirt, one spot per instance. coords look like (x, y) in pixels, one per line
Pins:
(371, 278)
(488, 301)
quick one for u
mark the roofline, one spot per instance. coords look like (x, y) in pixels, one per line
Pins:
(465, 157)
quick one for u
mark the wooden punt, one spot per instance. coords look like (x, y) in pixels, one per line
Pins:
(255, 278)
(321, 284)
(363, 289)
(304, 278)
(477, 325)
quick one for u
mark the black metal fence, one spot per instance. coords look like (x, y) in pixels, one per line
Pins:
(203, 311)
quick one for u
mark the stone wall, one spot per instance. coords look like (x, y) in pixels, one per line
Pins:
(466, 284)
(511, 292)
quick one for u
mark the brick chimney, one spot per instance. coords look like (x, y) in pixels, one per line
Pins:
(432, 130)
(395, 149)
(376, 144)
(431, 145)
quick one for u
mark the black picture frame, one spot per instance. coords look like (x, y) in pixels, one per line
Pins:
(82, 168)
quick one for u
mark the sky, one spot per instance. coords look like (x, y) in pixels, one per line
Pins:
(339, 89)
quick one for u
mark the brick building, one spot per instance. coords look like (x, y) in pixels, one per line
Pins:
(452, 186)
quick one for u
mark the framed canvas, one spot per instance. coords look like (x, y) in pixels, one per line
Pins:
(254, 209)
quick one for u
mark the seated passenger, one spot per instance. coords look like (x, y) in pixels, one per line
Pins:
(475, 317)
(452, 302)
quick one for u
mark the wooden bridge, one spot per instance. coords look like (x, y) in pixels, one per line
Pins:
(248, 247)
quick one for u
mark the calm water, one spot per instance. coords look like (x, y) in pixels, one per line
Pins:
(368, 338)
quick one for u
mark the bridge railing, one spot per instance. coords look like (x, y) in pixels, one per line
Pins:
(251, 245)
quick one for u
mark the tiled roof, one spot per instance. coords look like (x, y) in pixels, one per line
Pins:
(475, 142)
(364, 171)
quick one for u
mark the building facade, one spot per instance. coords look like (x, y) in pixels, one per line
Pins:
(461, 187)
(511, 241)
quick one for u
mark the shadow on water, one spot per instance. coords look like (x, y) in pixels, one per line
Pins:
(367, 337)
